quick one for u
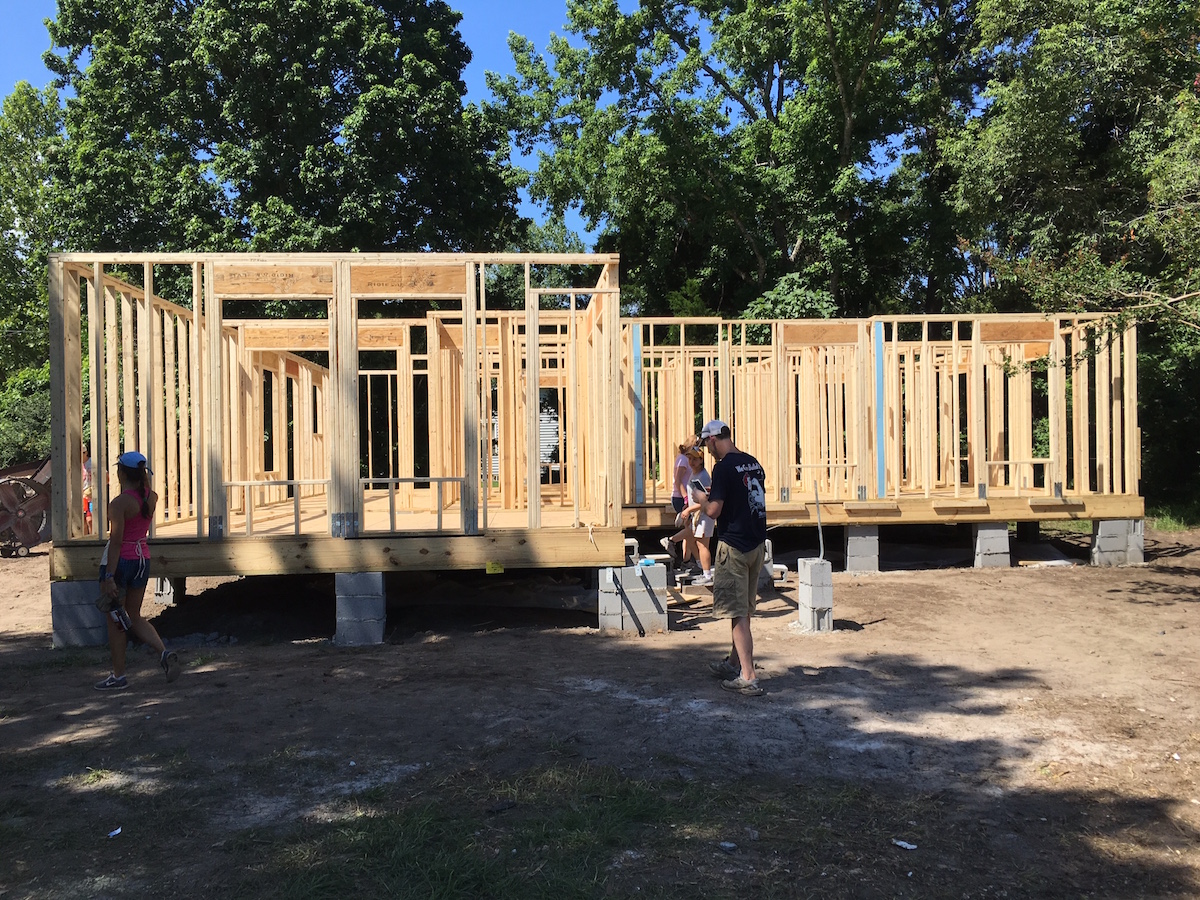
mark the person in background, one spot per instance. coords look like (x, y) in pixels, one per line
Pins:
(699, 527)
(683, 471)
(86, 456)
(738, 501)
(694, 527)
(679, 493)
(125, 569)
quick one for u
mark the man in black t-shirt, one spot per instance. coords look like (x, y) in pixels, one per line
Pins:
(738, 501)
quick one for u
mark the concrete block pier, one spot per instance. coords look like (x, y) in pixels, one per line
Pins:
(814, 594)
(634, 598)
(361, 609)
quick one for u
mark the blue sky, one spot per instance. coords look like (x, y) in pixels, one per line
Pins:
(485, 27)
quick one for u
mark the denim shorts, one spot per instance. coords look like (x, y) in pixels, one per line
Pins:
(131, 573)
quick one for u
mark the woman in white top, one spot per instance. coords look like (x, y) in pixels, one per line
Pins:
(702, 526)
(696, 528)
(683, 471)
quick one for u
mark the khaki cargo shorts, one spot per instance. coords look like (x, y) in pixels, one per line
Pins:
(735, 581)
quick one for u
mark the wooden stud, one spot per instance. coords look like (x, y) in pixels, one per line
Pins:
(129, 406)
(1104, 339)
(110, 356)
(214, 456)
(64, 395)
(977, 435)
(533, 469)
(97, 395)
(1133, 451)
(1117, 418)
(1083, 442)
(471, 385)
(170, 436)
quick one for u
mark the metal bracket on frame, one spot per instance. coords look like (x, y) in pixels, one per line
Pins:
(216, 528)
(345, 525)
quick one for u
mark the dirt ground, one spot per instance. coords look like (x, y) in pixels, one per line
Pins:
(1050, 711)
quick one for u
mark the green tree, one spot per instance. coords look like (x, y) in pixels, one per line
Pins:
(29, 143)
(942, 76)
(1152, 278)
(506, 284)
(1075, 110)
(275, 125)
(726, 144)
(25, 425)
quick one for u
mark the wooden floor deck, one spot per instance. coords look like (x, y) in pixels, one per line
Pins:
(280, 519)
(310, 516)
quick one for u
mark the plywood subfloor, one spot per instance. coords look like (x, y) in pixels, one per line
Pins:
(277, 519)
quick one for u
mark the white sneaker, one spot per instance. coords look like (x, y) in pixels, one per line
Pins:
(669, 546)
(702, 579)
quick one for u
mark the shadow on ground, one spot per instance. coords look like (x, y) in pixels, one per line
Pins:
(826, 771)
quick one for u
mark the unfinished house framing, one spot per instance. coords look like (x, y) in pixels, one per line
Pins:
(388, 400)
(362, 413)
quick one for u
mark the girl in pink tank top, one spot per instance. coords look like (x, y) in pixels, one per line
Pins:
(133, 540)
(125, 569)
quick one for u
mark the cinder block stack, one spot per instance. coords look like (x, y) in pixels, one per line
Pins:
(74, 618)
(815, 594)
(991, 545)
(1118, 542)
(862, 548)
(361, 609)
(634, 598)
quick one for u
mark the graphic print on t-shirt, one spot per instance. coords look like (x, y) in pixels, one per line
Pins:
(756, 495)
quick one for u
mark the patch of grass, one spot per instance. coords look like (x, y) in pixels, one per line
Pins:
(95, 776)
(200, 659)
(177, 762)
(562, 831)
(581, 831)
(371, 795)
(1067, 526)
(1182, 515)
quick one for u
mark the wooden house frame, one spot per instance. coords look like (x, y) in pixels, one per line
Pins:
(895, 419)
(263, 432)
(391, 424)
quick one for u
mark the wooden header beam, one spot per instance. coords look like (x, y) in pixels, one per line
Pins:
(355, 259)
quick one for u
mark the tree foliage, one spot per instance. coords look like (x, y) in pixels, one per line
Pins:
(505, 285)
(1075, 112)
(29, 143)
(723, 146)
(275, 125)
(24, 427)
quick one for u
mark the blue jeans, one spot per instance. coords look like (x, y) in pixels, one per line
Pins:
(131, 573)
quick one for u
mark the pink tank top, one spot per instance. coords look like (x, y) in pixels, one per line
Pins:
(133, 541)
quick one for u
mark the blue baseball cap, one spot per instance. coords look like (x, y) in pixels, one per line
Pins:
(131, 459)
